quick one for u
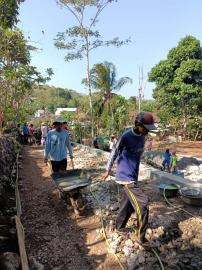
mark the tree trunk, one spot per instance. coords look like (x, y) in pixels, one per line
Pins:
(90, 92)
(98, 126)
(185, 125)
(1, 120)
(111, 110)
(196, 134)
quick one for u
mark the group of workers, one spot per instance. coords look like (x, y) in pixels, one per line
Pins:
(28, 134)
(25, 133)
(128, 150)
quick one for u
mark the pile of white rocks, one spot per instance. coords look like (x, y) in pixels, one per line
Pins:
(104, 199)
(190, 167)
(194, 172)
(176, 244)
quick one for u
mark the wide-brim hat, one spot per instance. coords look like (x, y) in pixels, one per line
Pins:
(58, 120)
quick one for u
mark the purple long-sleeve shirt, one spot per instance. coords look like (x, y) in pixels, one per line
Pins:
(128, 149)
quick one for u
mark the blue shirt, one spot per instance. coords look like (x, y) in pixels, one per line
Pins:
(167, 156)
(25, 130)
(57, 144)
(128, 150)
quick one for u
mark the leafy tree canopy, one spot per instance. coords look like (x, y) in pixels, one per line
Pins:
(178, 91)
(179, 78)
(9, 12)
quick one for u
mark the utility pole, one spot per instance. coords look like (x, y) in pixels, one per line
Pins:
(58, 97)
(140, 89)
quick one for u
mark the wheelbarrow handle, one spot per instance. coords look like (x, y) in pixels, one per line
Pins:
(72, 163)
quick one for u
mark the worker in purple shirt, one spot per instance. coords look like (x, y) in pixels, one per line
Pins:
(129, 149)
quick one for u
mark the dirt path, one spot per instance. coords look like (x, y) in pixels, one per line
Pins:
(54, 236)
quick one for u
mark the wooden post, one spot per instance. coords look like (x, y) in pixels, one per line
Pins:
(21, 244)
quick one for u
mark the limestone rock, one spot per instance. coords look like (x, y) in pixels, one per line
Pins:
(9, 261)
(34, 265)
(129, 243)
(132, 261)
(127, 250)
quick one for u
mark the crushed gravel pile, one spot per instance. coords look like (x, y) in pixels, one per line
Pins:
(178, 236)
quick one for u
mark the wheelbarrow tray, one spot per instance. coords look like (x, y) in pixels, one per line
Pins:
(71, 179)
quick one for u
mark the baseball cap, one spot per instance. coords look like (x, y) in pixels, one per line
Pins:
(146, 119)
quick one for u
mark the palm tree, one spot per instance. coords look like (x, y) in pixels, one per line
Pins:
(104, 81)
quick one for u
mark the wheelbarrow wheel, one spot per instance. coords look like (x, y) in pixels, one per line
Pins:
(62, 195)
(79, 202)
(74, 205)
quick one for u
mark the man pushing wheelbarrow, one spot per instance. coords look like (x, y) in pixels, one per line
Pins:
(56, 147)
(69, 182)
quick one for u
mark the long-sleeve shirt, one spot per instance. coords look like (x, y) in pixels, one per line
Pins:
(167, 156)
(128, 149)
(57, 144)
(44, 131)
(25, 130)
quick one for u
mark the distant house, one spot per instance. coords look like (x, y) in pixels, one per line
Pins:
(60, 110)
(39, 113)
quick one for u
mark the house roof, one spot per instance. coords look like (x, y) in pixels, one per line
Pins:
(59, 110)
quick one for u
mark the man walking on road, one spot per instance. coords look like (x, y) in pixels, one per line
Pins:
(25, 132)
(44, 133)
(56, 146)
(129, 149)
